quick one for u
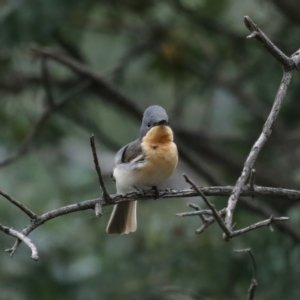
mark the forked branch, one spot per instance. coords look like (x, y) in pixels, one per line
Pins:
(289, 64)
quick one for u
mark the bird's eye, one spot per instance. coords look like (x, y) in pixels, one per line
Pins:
(149, 125)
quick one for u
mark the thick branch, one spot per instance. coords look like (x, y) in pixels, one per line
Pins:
(23, 238)
(288, 64)
(150, 195)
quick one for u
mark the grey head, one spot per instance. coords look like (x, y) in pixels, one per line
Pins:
(153, 116)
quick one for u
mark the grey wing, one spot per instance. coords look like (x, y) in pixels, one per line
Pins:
(129, 152)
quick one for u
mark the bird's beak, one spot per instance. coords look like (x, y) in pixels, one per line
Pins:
(162, 122)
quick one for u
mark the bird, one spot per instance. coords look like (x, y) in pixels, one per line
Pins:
(141, 165)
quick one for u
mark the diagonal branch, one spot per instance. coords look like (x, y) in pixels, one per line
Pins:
(26, 210)
(266, 132)
(210, 221)
(98, 169)
(258, 225)
(286, 61)
(23, 238)
(267, 128)
(211, 206)
(198, 209)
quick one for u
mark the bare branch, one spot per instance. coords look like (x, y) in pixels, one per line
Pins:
(267, 211)
(211, 206)
(167, 193)
(26, 210)
(252, 289)
(198, 209)
(23, 238)
(198, 212)
(258, 225)
(253, 283)
(210, 221)
(266, 132)
(289, 65)
(106, 196)
(286, 61)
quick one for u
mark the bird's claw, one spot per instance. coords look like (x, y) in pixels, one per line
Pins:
(156, 192)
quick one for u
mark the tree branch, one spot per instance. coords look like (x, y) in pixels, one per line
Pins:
(258, 225)
(23, 238)
(105, 195)
(289, 65)
(26, 210)
(253, 284)
(150, 195)
(211, 206)
(286, 61)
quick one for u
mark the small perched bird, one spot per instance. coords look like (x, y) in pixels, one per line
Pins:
(142, 164)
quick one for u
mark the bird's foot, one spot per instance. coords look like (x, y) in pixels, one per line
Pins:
(140, 191)
(156, 192)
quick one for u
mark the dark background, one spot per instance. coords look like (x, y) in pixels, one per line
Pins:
(191, 57)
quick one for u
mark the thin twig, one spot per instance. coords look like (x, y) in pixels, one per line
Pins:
(286, 61)
(198, 212)
(267, 211)
(26, 210)
(205, 225)
(197, 208)
(209, 222)
(46, 82)
(207, 212)
(106, 196)
(23, 238)
(252, 288)
(253, 283)
(226, 231)
(258, 225)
